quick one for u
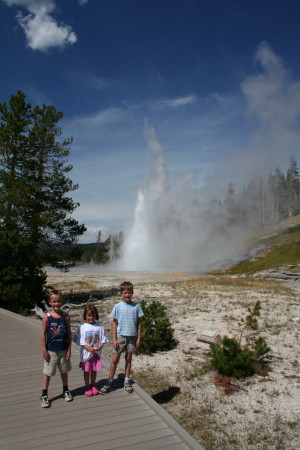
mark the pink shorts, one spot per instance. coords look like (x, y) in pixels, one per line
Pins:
(94, 364)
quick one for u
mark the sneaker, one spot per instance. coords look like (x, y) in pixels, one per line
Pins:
(68, 396)
(95, 391)
(106, 388)
(128, 388)
(44, 401)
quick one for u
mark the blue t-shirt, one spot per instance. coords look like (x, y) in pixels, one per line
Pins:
(56, 332)
(127, 315)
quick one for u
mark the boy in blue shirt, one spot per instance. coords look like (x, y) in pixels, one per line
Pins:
(126, 335)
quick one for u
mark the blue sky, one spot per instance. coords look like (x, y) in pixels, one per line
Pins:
(217, 80)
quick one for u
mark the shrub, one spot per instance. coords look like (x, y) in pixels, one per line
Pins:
(229, 358)
(157, 333)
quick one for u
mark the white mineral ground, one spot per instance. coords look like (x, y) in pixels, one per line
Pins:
(265, 412)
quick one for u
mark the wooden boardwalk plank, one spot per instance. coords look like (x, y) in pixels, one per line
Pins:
(114, 421)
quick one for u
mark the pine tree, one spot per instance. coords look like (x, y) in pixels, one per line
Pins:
(100, 255)
(35, 211)
(293, 188)
(157, 333)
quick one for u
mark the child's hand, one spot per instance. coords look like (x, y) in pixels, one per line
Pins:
(46, 355)
(68, 354)
(138, 342)
(99, 347)
(115, 344)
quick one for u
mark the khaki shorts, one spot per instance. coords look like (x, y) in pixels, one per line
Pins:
(57, 359)
(126, 344)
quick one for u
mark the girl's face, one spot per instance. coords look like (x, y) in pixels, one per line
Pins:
(90, 317)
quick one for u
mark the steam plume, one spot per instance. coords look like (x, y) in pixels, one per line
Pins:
(178, 227)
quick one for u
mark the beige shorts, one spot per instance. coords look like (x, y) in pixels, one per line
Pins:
(57, 359)
(126, 344)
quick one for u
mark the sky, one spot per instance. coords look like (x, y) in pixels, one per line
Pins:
(218, 81)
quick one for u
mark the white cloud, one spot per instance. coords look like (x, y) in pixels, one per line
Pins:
(82, 2)
(41, 29)
(175, 102)
(83, 77)
(103, 117)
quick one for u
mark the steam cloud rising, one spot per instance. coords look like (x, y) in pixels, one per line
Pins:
(177, 227)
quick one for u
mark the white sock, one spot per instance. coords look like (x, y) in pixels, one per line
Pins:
(127, 380)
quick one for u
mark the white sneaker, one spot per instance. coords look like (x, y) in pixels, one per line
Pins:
(68, 396)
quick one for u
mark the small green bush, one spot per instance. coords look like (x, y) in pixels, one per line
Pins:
(232, 360)
(229, 358)
(157, 333)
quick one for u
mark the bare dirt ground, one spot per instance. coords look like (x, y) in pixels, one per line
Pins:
(263, 412)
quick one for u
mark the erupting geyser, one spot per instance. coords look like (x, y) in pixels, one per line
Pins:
(176, 227)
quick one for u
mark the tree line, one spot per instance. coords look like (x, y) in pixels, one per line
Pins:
(266, 201)
(101, 252)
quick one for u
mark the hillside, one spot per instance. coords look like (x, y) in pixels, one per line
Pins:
(275, 248)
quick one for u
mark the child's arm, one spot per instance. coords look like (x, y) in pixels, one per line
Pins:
(102, 338)
(69, 337)
(46, 354)
(114, 333)
(89, 348)
(139, 335)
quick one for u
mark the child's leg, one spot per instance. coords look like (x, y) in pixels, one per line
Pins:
(64, 379)
(93, 378)
(46, 381)
(67, 394)
(127, 385)
(86, 376)
(113, 367)
(114, 364)
(128, 359)
(93, 381)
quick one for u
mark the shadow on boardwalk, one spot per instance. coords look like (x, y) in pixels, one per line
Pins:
(114, 421)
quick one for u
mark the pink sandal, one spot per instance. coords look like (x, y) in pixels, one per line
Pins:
(88, 393)
(95, 391)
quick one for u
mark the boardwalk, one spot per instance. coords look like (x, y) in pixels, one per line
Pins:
(115, 421)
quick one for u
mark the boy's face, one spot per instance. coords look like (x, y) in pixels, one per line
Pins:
(127, 295)
(55, 301)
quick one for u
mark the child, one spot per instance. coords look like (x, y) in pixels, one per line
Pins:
(126, 332)
(56, 342)
(91, 339)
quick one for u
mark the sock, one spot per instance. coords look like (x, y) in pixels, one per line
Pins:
(127, 380)
(110, 380)
(44, 392)
(65, 388)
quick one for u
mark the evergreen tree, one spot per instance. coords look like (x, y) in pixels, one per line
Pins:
(100, 255)
(35, 213)
(157, 333)
(292, 188)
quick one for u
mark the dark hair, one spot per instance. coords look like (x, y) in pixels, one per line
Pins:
(55, 292)
(92, 309)
(126, 286)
